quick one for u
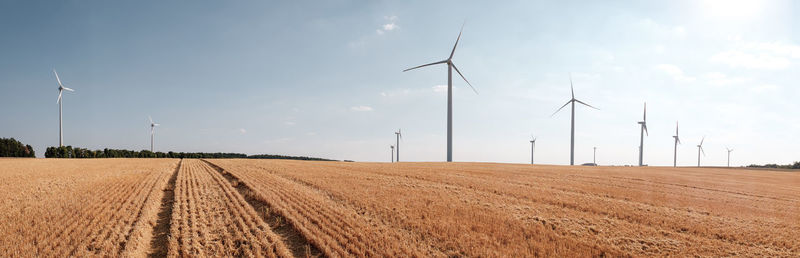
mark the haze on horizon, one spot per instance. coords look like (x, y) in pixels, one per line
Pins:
(324, 79)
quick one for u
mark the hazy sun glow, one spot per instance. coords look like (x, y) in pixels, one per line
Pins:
(732, 9)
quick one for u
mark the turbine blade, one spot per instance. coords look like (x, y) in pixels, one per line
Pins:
(68, 89)
(562, 107)
(59, 96)
(156, 124)
(462, 77)
(645, 112)
(679, 140)
(456, 45)
(572, 89)
(150, 118)
(57, 79)
(676, 128)
(703, 151)
(645, 129)
(586, 104)
(701, 141)
(412, 68)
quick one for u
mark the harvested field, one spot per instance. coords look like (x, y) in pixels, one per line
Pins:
(280, 208)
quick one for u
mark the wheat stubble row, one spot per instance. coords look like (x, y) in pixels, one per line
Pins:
(76, 207)
(209, 218)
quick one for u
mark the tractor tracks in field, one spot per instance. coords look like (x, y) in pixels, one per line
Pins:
(292, 238)
(160, 236)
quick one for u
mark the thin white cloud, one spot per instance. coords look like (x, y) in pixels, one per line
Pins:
(289, 123)
(662, 30)
(439, 88)
(242, 131)
(361, 108)
(764, 88)
(390, 25)
(741, 59)
(675, 72)
(720, 79)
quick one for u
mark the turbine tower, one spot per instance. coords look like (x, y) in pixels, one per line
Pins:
(533, 147)
(152, 132)
(594, 156)
(641, 135)
(572, 128)
(729, 156)
(700, 149)
(399, 136)
(61, 89)
(392, 147)
(450, 67)
(677, 141)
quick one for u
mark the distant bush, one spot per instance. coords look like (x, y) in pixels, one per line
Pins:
(79, 153)
(796, 165)
(10, 147)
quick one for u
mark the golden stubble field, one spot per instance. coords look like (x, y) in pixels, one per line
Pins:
(273, 208)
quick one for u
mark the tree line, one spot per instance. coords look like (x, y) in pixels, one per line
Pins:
(10, 147)
(81, 153)
(796, 165)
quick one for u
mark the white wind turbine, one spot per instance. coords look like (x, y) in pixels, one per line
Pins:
(700, 149)
(533, 147)
(399, 136)
(572, 128)
(61, 89)
(392, 147)
(677, 141)
(729, 156)
(152, 131)
(450, 67)
(641, 135)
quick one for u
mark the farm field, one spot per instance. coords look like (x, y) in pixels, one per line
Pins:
(282, 208)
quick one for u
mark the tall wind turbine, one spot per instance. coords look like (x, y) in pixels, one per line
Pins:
(61, 89)
(450, 67)
(572, 129)
(677, 141)
(533, 147)
(642, 133)
(700, 149)
(399, 136)
(152, 132)
(729, 156)
(392, 147)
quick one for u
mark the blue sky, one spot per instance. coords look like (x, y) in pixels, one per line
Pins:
(324, 78)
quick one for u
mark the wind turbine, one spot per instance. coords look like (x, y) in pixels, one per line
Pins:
(729, 156)
(61, 89)
(152, 132)
(642, 133)
(399, 135)
(572, 129)
(677, 141)
(450, 67)
(392, 147)
(533, 147)
(700, 149)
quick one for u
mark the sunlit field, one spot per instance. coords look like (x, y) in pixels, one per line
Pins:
(231, 207)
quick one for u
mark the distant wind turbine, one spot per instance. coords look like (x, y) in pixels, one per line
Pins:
(450, 67)
(700, 149)
(152, 132)
(594, 156)
(392, 147)
(399, 135)
(641, 135)
(61, 89)
(533, 147)
(572, 128)
(729, 156)
(677, 141)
